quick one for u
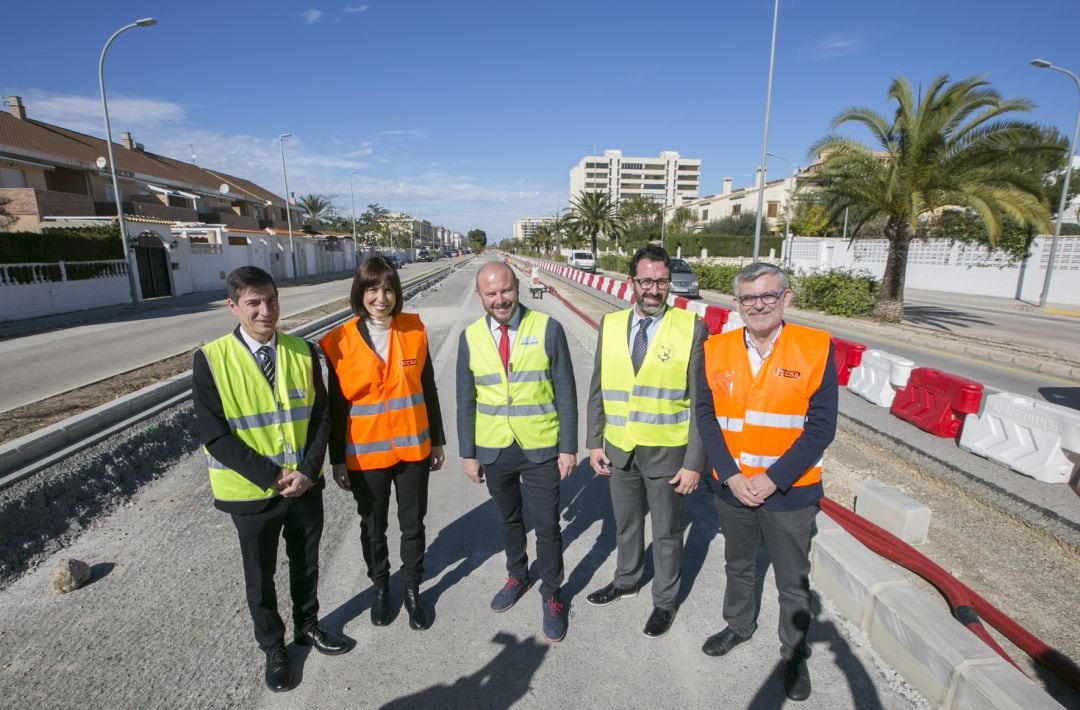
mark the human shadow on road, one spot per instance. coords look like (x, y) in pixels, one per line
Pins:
(1062, 396)
(942, 318)
(502, 682)
(701, 527)
(585, 499)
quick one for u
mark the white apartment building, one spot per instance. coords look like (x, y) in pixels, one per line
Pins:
(732, 203)
(668, 178)
(525, 226)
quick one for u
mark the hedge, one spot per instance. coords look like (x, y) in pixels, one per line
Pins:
(61, 244)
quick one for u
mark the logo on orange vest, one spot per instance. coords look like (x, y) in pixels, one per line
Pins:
(408, 362)
(791, 374)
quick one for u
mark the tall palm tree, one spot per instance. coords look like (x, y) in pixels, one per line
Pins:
(317, 208)
(949, 147)
(595, 213)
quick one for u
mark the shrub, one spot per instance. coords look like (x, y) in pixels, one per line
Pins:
(716, 277)
(61, 244)
(614, 262)
(838, 292)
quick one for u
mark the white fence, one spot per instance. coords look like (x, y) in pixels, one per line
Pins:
(942, 265)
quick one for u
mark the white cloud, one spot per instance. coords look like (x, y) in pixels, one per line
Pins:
(356, 8)
(312, 16)
(83, 113)
(838, 45)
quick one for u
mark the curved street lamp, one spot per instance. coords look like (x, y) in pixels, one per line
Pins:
(288, 212)
(787, 208)
(1043, 64)
(765, 139)
(352, 200)
(131, 264)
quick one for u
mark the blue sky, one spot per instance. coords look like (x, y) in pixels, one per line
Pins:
(473, 113)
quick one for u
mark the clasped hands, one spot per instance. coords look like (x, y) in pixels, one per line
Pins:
(292, 484)
(751, 491)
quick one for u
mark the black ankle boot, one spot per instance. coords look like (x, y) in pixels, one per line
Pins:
(380, 606)
(417, 616)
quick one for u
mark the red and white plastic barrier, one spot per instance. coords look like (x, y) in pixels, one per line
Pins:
(879, 376)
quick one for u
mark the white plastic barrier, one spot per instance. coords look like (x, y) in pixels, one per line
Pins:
(734, 321)
(879, 376)
(1036, 439)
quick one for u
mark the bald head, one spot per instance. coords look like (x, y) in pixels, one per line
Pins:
(497, 286)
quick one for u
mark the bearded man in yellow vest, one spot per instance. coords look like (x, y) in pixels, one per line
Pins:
(261, 409)
(517, 429)
(767, 413)
(642, 434)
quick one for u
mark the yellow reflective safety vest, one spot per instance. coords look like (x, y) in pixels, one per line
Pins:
(273, 422)
(518, 405)
(651, 408)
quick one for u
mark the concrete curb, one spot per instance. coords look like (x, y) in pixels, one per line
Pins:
(911, 632)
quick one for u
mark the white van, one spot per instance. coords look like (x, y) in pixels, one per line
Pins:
(582, 260)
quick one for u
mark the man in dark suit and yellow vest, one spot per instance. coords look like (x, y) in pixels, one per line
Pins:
(766, 416)
(642, 434)
(260, 405)
(517, 427)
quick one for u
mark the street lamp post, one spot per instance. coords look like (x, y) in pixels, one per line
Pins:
(787, 209)
(288, 212)
(132, 265)
(390, 220)
(352, 201)
(1043, 64)
(765, 140)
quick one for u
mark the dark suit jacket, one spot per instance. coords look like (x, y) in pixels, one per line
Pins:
(654, 461)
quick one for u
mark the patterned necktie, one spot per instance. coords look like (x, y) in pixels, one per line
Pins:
(641, 344)
(266, 361)
(504, 346)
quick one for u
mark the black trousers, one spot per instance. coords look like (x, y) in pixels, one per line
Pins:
(506, 477)
(787, 538)
(371, 491)
(300, 521)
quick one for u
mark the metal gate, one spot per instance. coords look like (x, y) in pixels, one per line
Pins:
(153, 263)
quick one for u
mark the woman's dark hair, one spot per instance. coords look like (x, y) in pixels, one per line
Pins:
(375, 271)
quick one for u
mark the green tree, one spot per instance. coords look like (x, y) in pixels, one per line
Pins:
(740, 225)
(594, 214)
(947, 147)
(317, 209)
(810, 219)
(477, 239)
(638, 210)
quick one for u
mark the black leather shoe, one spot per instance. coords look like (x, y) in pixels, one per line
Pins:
(322, 640)
(609, 594)
(278, 669)
(659, 622)
(417, 615)
(719, 644)
(380, 607)
(797, 679)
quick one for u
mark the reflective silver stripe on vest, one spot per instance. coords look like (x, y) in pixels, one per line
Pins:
(366, 410)
(297, 394)
(660, 419)
(779, 421)
(255, 421)
(287, 458)
(759, 461)
(407, 401)
(529, 376)
(515, 410)
(616, 395)
(374, 447)
(729, 423)
(615, 420)
(495, 379)
(659, 393)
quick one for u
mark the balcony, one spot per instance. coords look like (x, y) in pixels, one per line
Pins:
(231, 219)
(32, 202)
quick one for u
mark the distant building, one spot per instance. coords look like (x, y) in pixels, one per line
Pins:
(667, 179)
(526, 226)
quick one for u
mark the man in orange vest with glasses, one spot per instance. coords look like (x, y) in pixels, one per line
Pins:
(766, 416)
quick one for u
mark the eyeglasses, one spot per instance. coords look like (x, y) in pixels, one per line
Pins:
(649, 283)
(768, 298)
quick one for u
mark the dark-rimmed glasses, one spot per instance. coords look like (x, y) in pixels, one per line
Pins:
(649, 283)
(769, 298)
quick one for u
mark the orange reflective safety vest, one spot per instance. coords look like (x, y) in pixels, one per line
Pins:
(388, 419)
(762, 416)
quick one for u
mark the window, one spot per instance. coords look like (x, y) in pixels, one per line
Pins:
(773, 209)
(704, 215)
(10, 177)
(736, 210)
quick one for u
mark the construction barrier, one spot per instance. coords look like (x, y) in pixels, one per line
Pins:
(937, 401)
(715, 318)
(1036, 439)
(879, 376)
(846, 355)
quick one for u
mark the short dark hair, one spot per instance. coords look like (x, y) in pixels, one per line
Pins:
(653, 252)
(244, 278)
(375, 271)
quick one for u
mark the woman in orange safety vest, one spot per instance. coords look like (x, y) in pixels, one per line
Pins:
(386, 429)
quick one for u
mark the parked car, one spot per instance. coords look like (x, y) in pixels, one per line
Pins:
(426, 255)
(582, 260)
(683, 280)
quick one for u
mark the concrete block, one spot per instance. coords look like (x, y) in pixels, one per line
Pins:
(890, 509)
(917, 637)
(996, 684)
(848, 574)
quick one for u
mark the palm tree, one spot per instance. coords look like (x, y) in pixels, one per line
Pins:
(949, 147)
(316, 208)
(595, 213)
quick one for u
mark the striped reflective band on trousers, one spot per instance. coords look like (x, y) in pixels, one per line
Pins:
(398, 442)
(255, 421)
(287, 458)
(366, 410)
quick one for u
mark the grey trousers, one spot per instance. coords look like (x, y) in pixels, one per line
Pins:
(787, 538)
(631, 490)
